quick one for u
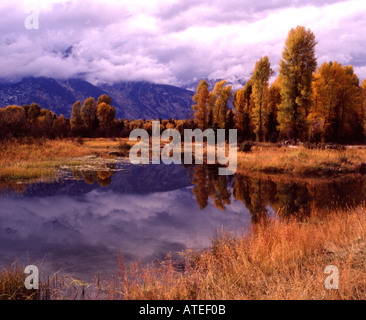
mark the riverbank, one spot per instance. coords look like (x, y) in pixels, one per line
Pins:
(41, 159)
(299, 161)
(275, 259)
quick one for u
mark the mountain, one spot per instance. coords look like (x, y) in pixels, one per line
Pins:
(144, 100)
(133, 100)
(48, 93)
(236, 83)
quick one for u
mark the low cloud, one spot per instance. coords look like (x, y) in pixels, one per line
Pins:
(171, 42)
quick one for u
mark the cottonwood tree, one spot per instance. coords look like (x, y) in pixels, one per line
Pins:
(274, 101)
(201, 108)
(243, 104)
(337, 114)
(296, 71)
(89, 114)
(363, 100)
(14, 121)
(106, 115)
(76, 121)
(260, 78)
(104, 98)
(223, 98)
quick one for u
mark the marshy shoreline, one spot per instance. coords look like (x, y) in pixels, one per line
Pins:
(30, 160)
(279, 257)
(274, 259)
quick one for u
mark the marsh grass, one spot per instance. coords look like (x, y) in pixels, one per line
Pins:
(41, 159)
(276, 259)
(55, 287)
(268, 158)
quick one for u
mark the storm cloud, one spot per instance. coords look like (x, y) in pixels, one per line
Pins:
(173, 42)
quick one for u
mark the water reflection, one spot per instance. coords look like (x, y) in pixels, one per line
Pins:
(81, 223)
(102, 177)
(282, 194)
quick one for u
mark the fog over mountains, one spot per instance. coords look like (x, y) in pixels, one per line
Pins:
(132, 100)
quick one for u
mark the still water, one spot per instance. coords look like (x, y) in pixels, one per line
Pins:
(80, 225)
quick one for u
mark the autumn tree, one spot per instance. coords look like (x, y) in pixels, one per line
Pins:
(106, 115)
(61, 127)
(260, 78)
(239, 105)
(200, 182)
(104, 98)
(274, 101)
(46, 123)
(223, 96)
(296, 71)
(200, 108)
(32, 113)
(89, 114)
(14, 121)
(363, 100)
(76, 121)
(337, 114)
(230, 121)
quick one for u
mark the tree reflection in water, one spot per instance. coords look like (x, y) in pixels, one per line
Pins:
(103, 177)
(284, 195)
(260, 195)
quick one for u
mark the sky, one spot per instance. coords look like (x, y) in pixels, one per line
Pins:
(171, 41)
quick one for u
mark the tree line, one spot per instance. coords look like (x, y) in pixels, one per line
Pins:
(93, 118)
(303, 104)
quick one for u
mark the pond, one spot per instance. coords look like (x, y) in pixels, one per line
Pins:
(81, 223)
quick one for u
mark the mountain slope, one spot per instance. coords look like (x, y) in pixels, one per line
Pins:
(143, 100)
(133, 100)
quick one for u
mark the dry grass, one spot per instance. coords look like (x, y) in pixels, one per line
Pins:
(301, 161)
(57, 287)
(274, 260)
(41, 159)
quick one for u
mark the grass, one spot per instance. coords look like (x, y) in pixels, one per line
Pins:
(275, 259)
(41, 159)
(12, 278)
(269, 158)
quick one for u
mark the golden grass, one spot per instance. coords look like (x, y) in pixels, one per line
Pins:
(274, 260)
(12, 278)
(301, 161)
(41, 159)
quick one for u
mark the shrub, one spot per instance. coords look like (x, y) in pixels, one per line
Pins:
(246, 146)
(80, 141)
(124, 148)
